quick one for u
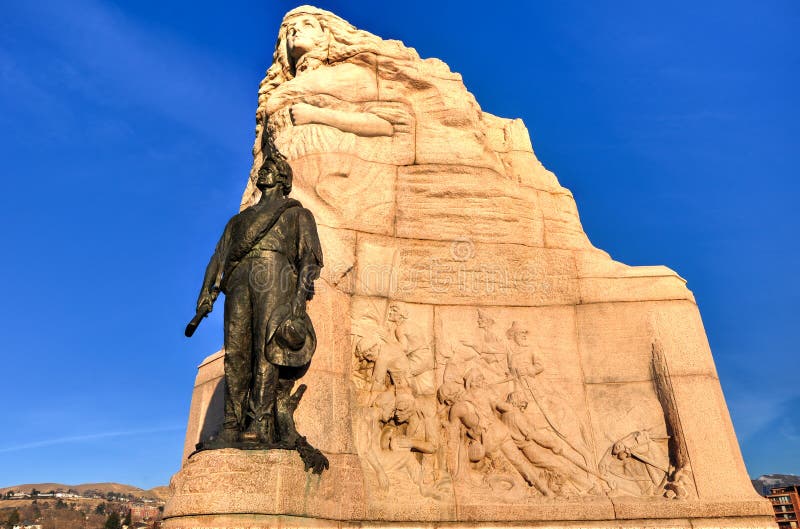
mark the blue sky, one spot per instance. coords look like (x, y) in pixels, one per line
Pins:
(126, 131)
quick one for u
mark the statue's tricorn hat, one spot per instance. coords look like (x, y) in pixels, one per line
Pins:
(290, 341)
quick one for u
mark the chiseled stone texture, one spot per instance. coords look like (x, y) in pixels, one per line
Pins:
(294, 522)
(456, 263)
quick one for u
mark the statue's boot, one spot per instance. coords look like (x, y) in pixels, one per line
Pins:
(261, 429)
(226, 438)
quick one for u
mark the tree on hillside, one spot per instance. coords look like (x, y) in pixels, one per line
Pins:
(13, 519)
(34, 493)
(127, 521)
(100, 509)
(112, 522)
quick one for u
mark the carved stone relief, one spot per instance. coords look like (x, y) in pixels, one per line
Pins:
(490, 404)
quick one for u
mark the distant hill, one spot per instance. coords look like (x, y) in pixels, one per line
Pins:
(766, 482)
(157, 493)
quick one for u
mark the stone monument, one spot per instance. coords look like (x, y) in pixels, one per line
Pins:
(478, 362)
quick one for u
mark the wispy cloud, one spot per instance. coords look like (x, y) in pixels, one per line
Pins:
(113, 59)
(756, 413)
(87, 437)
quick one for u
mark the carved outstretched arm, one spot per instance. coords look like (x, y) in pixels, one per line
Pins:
(360, 123)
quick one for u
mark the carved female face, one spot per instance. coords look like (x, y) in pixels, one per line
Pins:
(303, 34)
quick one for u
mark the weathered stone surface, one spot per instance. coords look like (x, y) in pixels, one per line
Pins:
(231, 481)
(476, 205)
(461, 271)
(480, 363)
(205, 414)
(615, 340)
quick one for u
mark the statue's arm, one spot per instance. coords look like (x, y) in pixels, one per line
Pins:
(360, 123)
(309, 257)
(213, 275)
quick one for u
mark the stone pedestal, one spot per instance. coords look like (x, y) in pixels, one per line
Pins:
(479, 362)
(264, 483)
(265, 490)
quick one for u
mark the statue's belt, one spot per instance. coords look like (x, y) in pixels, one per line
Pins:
(262, 253)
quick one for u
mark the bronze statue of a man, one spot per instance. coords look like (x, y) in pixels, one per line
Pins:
(265, 263)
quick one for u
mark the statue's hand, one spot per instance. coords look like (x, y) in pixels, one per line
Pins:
(205, 303)
(298, 307)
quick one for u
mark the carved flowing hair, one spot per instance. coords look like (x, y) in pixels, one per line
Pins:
(342, 41)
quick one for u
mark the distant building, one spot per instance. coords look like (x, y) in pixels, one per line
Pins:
(19, 495)
(786, 503)
(764, 484)
(142, 512)
(66, 495)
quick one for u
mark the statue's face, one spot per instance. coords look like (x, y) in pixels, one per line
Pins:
(521, 338)
(393, 314)
(303, 34)
(483, 323)
(270, 176)
(267, 176)
(403, 413)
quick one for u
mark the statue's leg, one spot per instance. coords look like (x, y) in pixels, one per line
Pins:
(262, 403)
(261, 408)
(238, 360)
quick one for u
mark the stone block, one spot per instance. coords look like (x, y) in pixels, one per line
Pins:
(525, 168)
(327, 311)
(615, 340)
(339, 251)
(206, 408)
(476, 206)
(464, 273)
(265, 482)
(324, 413)
(717, 465)
(346, 192)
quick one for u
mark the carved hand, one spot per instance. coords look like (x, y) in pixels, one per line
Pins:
(399, 443)
(302, 113)
(383, 480)
(392, 112)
